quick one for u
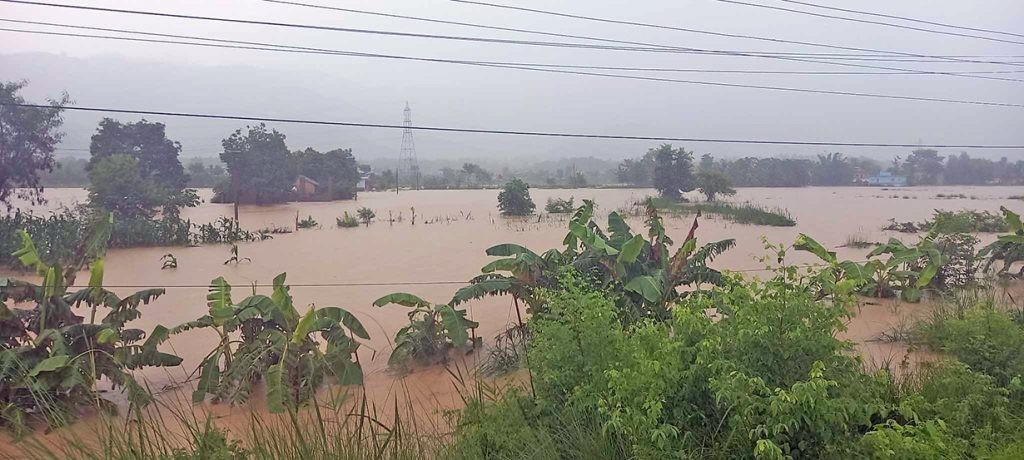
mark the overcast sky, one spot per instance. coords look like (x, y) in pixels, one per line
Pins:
(209, 80)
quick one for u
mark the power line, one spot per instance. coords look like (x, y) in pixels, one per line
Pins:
(720, 34)
(570, 72)
(260, 46)
(655, 48)
(904, 18)
(508, 132)
(867, 21)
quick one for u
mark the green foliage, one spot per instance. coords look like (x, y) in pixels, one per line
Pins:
(336, 171)
(366, 215)
(117, 185)
(514, 199)
(986, 339)
(168, 261)
(27, 142)
(673, 171)
(560, 206)
(295, 354)
(308, 222)
(259, 165)
(742, 213)
(51, 358)
(1008, 249)
(347, 221)
(433, 330)
(713, 183)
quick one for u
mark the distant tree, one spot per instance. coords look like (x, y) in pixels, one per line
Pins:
(202, 175)
(964, 170)
(514, 199)
(478, 174)
(833, 169)
(673, 172)
(579, 180)
(714, 183)
(637, 172)
(28, 137)
(118, 185)
(336, 170)
(148, 143)
(384, 180)
(258, 164)
(68, 172)
(924, 166)
(707, 163)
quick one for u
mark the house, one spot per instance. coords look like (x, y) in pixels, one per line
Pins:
(365, 178)
(305, 188)
(887, 179)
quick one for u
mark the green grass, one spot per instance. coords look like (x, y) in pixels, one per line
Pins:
(741, 213)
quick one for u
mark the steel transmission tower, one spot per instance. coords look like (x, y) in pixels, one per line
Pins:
(407, 164)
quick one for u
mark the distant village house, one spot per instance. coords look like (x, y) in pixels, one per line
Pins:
(887, 179)
(305, 188)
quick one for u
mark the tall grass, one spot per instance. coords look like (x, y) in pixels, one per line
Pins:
(741, 213)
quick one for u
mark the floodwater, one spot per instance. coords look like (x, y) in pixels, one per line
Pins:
(351, 267)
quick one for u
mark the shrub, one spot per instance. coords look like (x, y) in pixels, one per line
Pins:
(347, 221)
(308, 222)
(366, 215)
(560, 206)
(514, 199)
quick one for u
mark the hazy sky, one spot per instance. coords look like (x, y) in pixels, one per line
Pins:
(185, 78)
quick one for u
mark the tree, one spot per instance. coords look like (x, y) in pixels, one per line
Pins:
(833, 169)
(337, 170)
(477, 173)
(924, 166)
(514, 199)
(117, 185)
(638, 172)
(713, 183)
(258, 163)
(147, 142)
(673, 172)
(28, 137)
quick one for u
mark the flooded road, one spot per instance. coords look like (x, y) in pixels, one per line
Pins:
(351, 267)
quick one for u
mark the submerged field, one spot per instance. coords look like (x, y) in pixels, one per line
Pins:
(351, 267)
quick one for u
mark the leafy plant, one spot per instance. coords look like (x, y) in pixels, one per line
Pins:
(1008, 249)
(514, 199)
(168, 261)
(366, 215)
(234, 259)
(433, 330)
(560, 206)
(347, 221)
(52, 358)
(713, 183)
(308, 222)
(265, 337)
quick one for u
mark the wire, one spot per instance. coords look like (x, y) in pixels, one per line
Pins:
(706, 32)
(878, 23)
(507, 132)
(261, 46)
(656, 48)
(903, 18)
(570, 72)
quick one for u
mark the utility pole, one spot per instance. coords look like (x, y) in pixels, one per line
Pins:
(407, 155)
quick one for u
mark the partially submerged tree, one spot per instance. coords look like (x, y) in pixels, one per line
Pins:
(28, 138)
(514, 199)
(714, 183)
(258, 163)
(336, 170)
(117, 185)
(673, 171)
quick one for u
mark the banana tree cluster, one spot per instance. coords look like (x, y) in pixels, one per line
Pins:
(51, 357)
(265, 337)
(643, 269)
(1007, 249)
(432, 332)
(905, 272)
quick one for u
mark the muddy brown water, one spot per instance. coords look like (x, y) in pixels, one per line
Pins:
(446, 246)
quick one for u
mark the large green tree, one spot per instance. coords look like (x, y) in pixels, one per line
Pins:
(336, 170)
(257, 160)
(28, 137)
(514, 199)
(147, 142)
(118, 185)
(713, 183)
(924, 166)
(673, 172)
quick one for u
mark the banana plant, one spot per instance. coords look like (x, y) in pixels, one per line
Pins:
(52, 358)
(432, 332)
(1009, 248)
(841, 278)
(266, 337)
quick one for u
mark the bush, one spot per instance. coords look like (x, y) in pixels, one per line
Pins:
(514, 199)
(366, 215)
(560, 206)
(308, 222)
(347, 221)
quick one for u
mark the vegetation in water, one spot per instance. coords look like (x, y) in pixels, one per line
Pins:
(514, 199)
(964, 221)
(714, 184)
(293, 353)
(168, 262)
(1007, 249)
(308, 222)
(741, 213)
(560, 205)
(432, 332)
(347, 221)
(366, 215)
